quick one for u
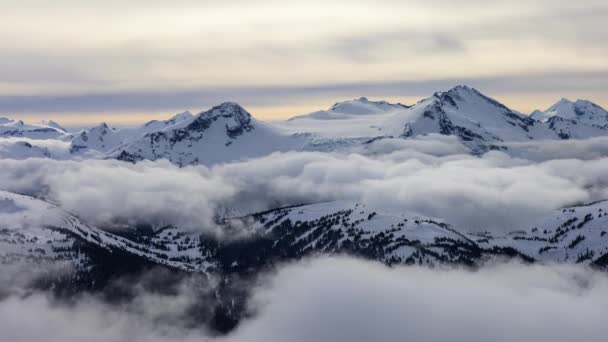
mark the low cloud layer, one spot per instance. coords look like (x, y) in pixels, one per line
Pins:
(158, 306)
(587, 149)
(22, 148)
(335, 299)
(349, 300)
(430, 176)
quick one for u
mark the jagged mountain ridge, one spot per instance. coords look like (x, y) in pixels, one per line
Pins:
(32, 229)
(569, 235)
(224, 133)
(357, 107)
(100, 138)
(18, 129)
(156, 125)
(480, 122)
(583, 111)
(228, 132)
(105, 139)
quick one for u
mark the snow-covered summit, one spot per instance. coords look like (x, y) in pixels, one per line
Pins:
(34, 230)
(101, 138)
(479, 121)
(43, 130)
(181, 116)
(155, 125)
(353, 108)
(226, 132)
(234, 117)
(583, 111)
(363, 106)
(53, 124)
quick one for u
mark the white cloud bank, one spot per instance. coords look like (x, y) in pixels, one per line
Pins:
(334, 299)
(350, 300)
(428, 176)
(23, 148)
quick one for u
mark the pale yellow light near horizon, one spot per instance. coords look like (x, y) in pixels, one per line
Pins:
(522, 103)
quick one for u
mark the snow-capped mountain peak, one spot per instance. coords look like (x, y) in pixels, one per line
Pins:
(234, 117)
(223, 133)
(463, 93)
(226, 110)
(583, 111)
(101, 129)
(177, 119)
(181, 116)
(18, 128)
(53, 124)
(352, 109)
(100, 138)
(363, 106)
(479, 121)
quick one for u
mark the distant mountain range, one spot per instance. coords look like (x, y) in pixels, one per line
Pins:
(228, 132)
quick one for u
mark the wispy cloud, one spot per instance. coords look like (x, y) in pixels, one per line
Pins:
(534, 90)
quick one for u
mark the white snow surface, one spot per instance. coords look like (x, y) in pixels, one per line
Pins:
(18, 128)
(583, 111)
(347, 119)
(32, 228)
(570, 235)
(222, 134)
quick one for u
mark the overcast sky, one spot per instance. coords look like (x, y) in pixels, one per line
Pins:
(127, 61)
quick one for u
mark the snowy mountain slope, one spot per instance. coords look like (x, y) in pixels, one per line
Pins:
(347, 109)
(34, 229)
(100, 138)
(479, 121)
(570, 235)
(574, 120)
(482, 123)
(583, 111)
(354, 228)
(347, 119)
(18, 128)
(13, 149)
(574, 129)
(180, 119)
(103, 138)
(224, 133)
(53, 124)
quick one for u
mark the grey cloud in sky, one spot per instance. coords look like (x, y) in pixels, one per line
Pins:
(375, 47)
(201, 98)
